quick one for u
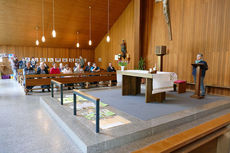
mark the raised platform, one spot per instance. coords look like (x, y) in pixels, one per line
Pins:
(82, 131)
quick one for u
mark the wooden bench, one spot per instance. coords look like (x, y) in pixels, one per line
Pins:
(209, 87)
(82, 78)
(45, 79)
(191, 139)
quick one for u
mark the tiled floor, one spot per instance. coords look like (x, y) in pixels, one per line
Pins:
(25, 127)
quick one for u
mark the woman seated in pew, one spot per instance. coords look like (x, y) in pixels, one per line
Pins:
(27, 71)
(78, 69)
(68, 70)
(43, 70)
(61, 67)
(55, 69)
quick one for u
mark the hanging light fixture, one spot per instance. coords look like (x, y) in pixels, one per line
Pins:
(37, 41)
(53, 32)
(43, 33)
(90, 35)
(108, 38)
(78, 44)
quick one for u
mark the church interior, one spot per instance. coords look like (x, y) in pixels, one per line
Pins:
(115, 76)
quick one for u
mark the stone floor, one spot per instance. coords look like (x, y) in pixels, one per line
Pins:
(25, 127)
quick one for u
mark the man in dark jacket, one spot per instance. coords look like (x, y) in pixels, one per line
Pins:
(88, 67)
(22, 63)
(204, 68)
(111, 68)
(42, 70)
(27, 71)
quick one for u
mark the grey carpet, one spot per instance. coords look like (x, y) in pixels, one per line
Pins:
(136, 106)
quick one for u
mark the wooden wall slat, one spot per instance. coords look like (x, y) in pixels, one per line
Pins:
(39, 52)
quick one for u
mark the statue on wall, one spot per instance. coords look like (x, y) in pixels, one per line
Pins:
(123, 49)
(167, 15)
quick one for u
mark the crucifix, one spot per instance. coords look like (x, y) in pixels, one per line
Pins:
(167, 15)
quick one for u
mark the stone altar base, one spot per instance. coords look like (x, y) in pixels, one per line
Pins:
(82, 131)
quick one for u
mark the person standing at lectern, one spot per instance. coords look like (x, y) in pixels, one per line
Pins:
(204, 68)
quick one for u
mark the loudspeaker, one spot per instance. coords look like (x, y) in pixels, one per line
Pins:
(160, 50)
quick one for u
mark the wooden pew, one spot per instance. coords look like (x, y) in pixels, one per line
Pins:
(191, 139)
(45, 79)
(82, 78)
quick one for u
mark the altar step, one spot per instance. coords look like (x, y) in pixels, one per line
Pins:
(84, 136)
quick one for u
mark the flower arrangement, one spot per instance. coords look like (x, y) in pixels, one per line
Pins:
(123, 63)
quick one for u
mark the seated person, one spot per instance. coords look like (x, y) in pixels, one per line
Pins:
(43, 70)
(76, 65)
(55, 69)
(87, 68)
(33, 62)
(94, 68)
(68, 70)
(111, 68)
(22, 63)
(78, 69)
(46, 66)
(61, 67)
(27, 71)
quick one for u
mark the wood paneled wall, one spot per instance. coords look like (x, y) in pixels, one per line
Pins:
(39, 52)
(198, 26)
(121, 30)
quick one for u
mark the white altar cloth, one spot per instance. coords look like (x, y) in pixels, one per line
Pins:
(162, 81)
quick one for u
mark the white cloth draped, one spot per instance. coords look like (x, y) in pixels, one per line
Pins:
(163, 81)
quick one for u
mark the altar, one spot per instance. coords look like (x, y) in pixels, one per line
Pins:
(156, 84)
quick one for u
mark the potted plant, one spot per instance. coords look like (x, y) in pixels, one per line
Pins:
(122, 64)
(141, 66)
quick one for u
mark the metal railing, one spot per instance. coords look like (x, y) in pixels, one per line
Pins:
(90, 98)
(52, 89)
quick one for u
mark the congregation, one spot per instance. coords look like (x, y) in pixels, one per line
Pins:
(33, 67)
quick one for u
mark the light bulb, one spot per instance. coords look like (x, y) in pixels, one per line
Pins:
(78, 45)
(90, 42)
(43, 38)
(54, 33)
(37, 42)
(108, 39)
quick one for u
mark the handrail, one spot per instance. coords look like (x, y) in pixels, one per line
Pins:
(90, 98)
(178, 141)
(52, 88)
(87, 79)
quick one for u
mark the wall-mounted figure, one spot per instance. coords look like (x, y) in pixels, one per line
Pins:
(123, 49)
(167, 15)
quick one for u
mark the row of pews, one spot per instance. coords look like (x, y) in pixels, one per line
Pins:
(85, 79)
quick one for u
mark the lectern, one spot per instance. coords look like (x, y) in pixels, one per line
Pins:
(197, 83)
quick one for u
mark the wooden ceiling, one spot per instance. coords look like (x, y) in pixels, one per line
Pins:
(18, 19)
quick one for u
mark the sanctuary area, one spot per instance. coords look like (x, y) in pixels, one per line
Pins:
(114, 76)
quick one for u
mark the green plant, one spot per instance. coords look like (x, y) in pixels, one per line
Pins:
(122, 63)
(141, 64)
